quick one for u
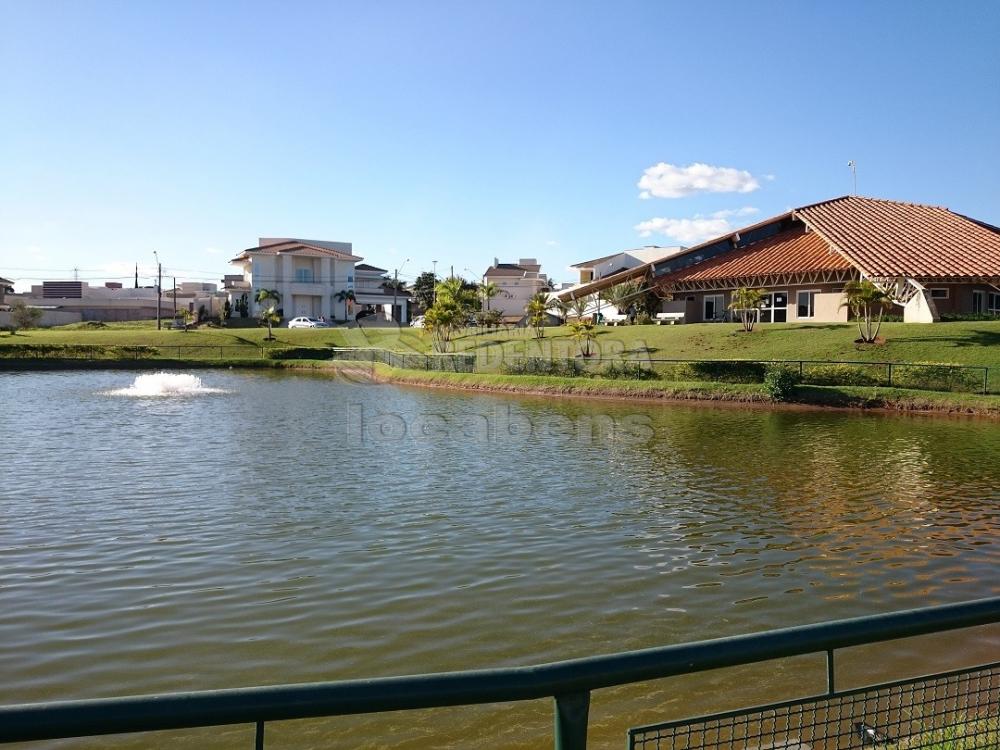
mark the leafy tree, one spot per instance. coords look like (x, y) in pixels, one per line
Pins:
(268, 315)
(537, 311)
(868, 303)
(583, 333)
(423, 290)
(24, 317)
(227, 312)
(746, 302)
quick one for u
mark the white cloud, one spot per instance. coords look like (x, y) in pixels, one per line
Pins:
(213, 250)
(694, 230)
(552, 243)
(671, 181)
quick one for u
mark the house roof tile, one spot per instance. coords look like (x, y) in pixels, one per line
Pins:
(791, 251)
(891, 238)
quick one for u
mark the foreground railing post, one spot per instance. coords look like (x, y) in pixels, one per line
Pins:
(572, 714)
(258, 736)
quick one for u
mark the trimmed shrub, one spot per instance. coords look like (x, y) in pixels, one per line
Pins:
(538, 366)
(845, 374)
(299, 352)
(780, 383)
(937, 378)
(734, 371)
(629, 371)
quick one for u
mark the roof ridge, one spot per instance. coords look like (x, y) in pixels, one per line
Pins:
(873, 199)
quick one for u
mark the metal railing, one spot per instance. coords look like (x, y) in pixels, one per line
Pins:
(569, 683)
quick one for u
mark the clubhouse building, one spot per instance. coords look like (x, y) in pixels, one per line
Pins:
(931, 260)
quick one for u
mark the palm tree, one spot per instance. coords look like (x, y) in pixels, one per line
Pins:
(346, 295)
(537, 309)
(560, 307)
(865, 299)
(269, 315)
(746, 302)
(623, 295)
(582, 332)
(442, 319)
(579, 307)
(489, 290)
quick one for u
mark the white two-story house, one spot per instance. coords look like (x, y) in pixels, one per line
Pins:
(312, 277)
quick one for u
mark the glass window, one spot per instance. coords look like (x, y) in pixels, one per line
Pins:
(304, 274)
(977, 302)
(806, 302)
(715, 307)
(993, 303)
(939, 294)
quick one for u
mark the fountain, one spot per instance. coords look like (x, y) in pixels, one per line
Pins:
(165, 384)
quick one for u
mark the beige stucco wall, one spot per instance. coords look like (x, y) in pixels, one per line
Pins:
(49, 318)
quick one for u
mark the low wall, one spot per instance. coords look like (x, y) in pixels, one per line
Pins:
(49, 318)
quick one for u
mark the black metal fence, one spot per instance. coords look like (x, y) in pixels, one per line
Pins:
(915, 375)
(953, 711)
(963, 703)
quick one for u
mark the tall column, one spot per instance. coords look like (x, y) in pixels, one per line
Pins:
(328, 288)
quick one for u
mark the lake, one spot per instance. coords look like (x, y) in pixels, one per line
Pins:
(260, 528)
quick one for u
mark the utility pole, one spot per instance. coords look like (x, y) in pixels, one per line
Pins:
(435, 281)
(395, 291)
(854, 174)
(452, 271)
(136, 275)
(159, 288)
(175, 296)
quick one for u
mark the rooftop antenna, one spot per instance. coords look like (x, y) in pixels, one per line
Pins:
(76, 273)
(854, 175)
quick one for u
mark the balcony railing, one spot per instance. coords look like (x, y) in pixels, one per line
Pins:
(570, 684)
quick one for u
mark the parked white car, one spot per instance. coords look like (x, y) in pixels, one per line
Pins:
(303, 322)
(417, 322)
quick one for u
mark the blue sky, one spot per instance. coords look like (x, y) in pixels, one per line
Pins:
(460, 131)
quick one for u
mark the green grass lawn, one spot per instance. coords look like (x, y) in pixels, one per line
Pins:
(970, 343)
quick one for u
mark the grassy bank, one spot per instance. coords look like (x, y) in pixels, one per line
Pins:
(845, 397)
(963, 343)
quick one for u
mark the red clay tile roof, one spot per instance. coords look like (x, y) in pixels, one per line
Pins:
(889, 238)
(792, 251)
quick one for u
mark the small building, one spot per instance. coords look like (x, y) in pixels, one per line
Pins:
(931, 260)
(518, 283)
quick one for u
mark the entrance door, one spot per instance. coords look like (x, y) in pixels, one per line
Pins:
(774, 308)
